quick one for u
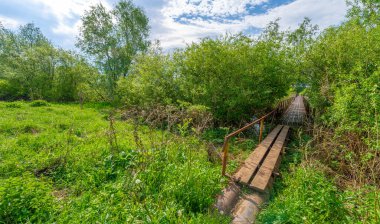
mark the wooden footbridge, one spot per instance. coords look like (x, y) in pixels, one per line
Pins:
(261, 167)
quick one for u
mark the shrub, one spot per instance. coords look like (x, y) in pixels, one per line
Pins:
(39, 103)
(25, 199)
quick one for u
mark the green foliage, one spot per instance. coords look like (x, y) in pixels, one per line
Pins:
(39, 103)
(234, 76)
(365, 12)
(343, 76)
(308, 197)
(4, 89)
(363, 204)
(31, 68)
(26, 199)
(151, 81)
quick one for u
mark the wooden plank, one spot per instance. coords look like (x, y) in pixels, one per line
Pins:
(261, 180)
(271, 136)
(273, 156)
(250, 165)
(244, 174)
(263, 177)
(255, 158)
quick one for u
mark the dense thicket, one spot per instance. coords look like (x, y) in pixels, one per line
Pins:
(343, 73)
(234, 76)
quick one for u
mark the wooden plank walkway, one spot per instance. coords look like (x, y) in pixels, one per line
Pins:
(296, 113)
(256, 158)
(259, 169)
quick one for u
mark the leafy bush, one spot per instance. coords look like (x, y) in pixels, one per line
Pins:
(25, 199)
(39, 103)
(233, 76)
(308, 197)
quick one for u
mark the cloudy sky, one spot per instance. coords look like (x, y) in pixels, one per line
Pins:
(175, 22)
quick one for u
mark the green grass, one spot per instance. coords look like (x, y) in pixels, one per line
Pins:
(57, 165)
(307, 197)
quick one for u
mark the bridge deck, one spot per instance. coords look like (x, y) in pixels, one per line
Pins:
(295, 114)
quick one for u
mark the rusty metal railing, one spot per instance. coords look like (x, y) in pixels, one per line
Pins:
(281, 106)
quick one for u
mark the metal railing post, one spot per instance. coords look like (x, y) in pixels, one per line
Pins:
(225, 155)
(261, 130)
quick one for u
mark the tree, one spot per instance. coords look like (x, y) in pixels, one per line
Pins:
(32, 68)
(113, 38)
(300, 41)
(31, 36)
(365, 12)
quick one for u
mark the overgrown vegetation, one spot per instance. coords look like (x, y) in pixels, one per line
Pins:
(308, 193)
(144, 146)
(340, 67)
(57, 165)
(254, 75)
(32, 68)
(345, 94)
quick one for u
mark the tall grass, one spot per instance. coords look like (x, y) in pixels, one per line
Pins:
(57, 165)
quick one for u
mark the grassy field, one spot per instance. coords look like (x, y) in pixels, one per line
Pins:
(63, 164)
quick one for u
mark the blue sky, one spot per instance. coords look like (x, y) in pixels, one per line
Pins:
(175, 22)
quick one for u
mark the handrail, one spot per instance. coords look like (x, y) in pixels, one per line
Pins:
(281, 105)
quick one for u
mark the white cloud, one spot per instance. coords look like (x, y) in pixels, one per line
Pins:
(175, 34)
(199, 18)
(10, 22)
(67, 13)
(324, 13)
(208, 8)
